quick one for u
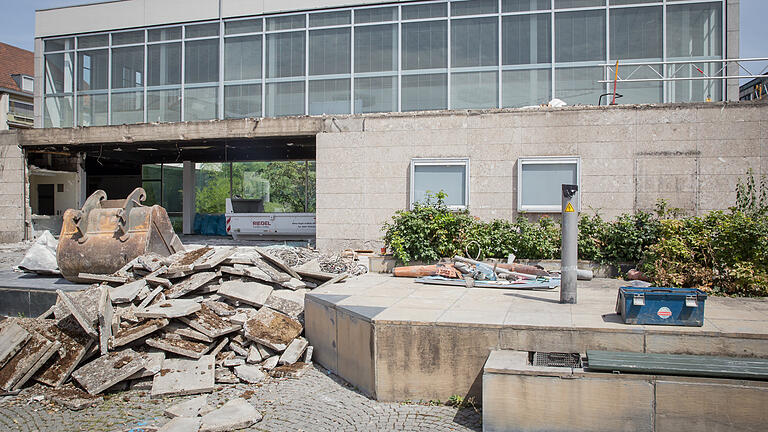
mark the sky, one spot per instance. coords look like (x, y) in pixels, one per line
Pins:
(17, 24)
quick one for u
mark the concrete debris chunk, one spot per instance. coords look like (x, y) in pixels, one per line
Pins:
(88, 300)
(308, 354)
(181, 347)
(233, 415)
(249, 373)
(72, 398)
(153, 366)
(75, 346)
(12, 339)
(252, 293)
(216, 259)
(294, 351)
(181, 330)
(335, 279)
(78, 313)
(237, 348)
(311, 269)
(208, 323)
(295, 370)
(277, 262)
(130, 334)
(232, 362)
(184, 377)
(243, 315)
(190, 284)
(288, 302)
(225, 376)
(39, 347)
(169, 309)
(264, 351)
(272, 329)
(151, 296)
(182, 424)
(254, 356)
(220, 346)
(293, 284)
(270, 363)
(219, 308)
(106, 313)
(127, 292)
(96, 278)
(188, 408)
(108, 370)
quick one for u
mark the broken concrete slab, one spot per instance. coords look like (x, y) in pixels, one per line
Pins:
(207, 322)
(270, 363)
(169, 309)
(72, 398)
(235, 414)
(293, 284)
(219, 308)
(96, 278)
(154, 364)
(264, 351)
(295, 370)
(218, 257)
(88, 300)
(151, 296)
(272, 329)
(185, 377)
(232, 362)
(182, 424)
(79, 314)
(12, 339)
(243, 315)
(250, 374)
(312, 270)
(188, 408)
(338, 278)
(105, 315)
(308, 354)
(220, 346)
(277, 262)
(181, 347)
(127, 293)
(36, 366)
(190, 284)
(130, 334)
(288, 302)
(294, 351)
(254, 356)
(252, 293)
(225, 376)
(237, 348)
(181, 330)
(108, 370)
(75, 345)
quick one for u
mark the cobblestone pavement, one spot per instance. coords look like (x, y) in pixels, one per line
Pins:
(315, 402)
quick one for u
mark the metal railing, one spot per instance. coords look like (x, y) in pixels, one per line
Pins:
(664, 73)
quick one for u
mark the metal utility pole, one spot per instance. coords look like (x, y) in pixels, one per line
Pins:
(570, 246)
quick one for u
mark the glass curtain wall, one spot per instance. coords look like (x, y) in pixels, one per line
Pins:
(460, 54)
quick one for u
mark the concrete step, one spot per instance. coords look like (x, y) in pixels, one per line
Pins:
(29, 295)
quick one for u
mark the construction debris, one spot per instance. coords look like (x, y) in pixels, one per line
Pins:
(235, 414)
(187, 321)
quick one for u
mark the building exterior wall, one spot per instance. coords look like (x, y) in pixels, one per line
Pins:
(13, 189)
(631, 156)
(4, 111)
(490, 54)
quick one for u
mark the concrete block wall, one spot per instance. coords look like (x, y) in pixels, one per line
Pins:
(631, 156)
(12, 189)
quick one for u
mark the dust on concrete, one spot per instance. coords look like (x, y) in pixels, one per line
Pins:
(281, 330)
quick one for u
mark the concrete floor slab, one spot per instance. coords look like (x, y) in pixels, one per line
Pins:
(185, 377)
(372, 328)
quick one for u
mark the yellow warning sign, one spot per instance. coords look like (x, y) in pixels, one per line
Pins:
(569, 208)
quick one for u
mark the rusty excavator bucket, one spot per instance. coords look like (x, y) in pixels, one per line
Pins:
(105, 234)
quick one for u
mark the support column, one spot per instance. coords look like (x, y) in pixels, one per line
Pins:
(188, 193)
(732, 23)
(82, 180)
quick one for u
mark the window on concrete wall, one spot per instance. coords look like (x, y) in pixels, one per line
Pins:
(432, 176)
(540, 181)
(694, 32)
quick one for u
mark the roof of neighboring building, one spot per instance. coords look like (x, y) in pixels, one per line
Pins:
(15, 61)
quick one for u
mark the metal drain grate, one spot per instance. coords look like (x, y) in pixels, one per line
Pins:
(554, 359)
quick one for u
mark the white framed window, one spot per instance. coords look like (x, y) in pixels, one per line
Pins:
(27, 83)
(450, 176)
(540, 180)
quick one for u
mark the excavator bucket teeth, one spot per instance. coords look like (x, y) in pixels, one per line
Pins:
(104, 235)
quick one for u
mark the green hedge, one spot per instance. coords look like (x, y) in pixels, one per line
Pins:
(722, 252)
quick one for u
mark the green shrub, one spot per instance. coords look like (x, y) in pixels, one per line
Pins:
(592, 231)
(721, 253)
(428, 232)
(628, 237)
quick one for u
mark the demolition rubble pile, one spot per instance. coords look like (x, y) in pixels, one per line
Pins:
(186, 322)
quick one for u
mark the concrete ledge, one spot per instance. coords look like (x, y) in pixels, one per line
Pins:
(521, 397)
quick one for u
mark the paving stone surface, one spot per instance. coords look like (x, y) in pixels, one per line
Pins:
(315, 402)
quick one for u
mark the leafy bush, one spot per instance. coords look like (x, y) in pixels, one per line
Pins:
(428, 232)
(751, 197)
(628, 237)
(721, 253)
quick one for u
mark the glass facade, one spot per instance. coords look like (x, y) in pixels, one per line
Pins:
(434, 55)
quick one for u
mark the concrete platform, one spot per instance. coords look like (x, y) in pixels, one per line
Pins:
(396, 340)
(30, 295)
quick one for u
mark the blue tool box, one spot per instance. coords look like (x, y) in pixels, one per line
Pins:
(661, 306)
